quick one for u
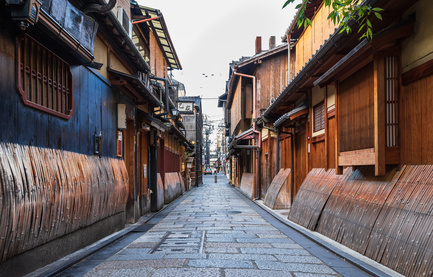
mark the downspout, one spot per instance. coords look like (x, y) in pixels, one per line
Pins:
(167, 107)
(254, 130)
(288, 58)
(98, 8)
(292, 173)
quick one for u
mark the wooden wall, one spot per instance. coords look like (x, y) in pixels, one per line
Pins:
(330, 135)
(236, 108)
(416, 120)
(318, 155)
(267, 171)
(95, 111)
(271, 79)
(313, 37)
(285, 149)
(301, 160)
(355, 111)
(158, 65)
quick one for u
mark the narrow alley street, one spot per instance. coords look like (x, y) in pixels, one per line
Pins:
(212, 231)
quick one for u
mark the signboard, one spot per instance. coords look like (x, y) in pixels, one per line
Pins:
(185, 107)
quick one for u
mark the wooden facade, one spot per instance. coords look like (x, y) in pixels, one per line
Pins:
(254, 83)
(351, 123)
(365, 132)
(79, 135)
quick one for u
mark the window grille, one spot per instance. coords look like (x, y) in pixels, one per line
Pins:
(391, 85)
(319, 116)
(44, 80)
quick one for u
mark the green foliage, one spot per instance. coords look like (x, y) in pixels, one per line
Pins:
(342, 12)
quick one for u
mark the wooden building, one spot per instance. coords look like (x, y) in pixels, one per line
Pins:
(353, 124)
(192, 117)
(254, 83)
(83, 125)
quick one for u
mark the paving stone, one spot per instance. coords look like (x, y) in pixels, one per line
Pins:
(266, 240)
(100, 272)
(294, 252)
(298, 259)
(295, 267)
(142, 244)
(135, 256)
(221, 250)
(187, 272)
(254, 273)
(142, 264)
(287, 245)
(300, 274)
(241, 257)
(135, 272)
(185, 256)
(220, 263)
(237, 245)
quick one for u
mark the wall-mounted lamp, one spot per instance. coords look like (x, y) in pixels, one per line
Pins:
(98, 144)
(175, 112)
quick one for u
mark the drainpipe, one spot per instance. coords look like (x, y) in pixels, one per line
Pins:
(98, 8)
(254, 128)
(167, 107)
(145, 20)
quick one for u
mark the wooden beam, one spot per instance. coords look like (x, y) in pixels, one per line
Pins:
(358, 157)
(379, 115)
(417, 73)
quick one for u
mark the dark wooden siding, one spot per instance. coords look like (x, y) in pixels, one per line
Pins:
(355, 112)
(416, 122)
(95, 111)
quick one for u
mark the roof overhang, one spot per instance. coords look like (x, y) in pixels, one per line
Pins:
(163, 37)
(134, 85)
(290, 118)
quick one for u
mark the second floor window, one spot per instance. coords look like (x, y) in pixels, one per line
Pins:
(319, 117)
(44, 80)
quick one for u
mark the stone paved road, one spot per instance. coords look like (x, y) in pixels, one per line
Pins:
(215, 232)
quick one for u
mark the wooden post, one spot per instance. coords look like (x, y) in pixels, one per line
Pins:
(338, 169)
(379, 115)
(326, 128)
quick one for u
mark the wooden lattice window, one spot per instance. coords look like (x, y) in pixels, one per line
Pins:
(391, 89)
(44, 80)
(319, 116)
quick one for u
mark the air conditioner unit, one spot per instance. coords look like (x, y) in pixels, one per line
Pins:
(25, 12)
(124, 20)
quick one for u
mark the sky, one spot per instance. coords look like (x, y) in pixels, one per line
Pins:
(208, 35)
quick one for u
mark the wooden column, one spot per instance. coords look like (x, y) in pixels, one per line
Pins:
(325, 102)
(379, 115)
(338, 169)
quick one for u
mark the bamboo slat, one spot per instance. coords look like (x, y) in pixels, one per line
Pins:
(46, 193)
(388, 219)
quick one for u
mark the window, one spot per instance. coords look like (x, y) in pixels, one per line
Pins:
(44, 80)
(319, 116)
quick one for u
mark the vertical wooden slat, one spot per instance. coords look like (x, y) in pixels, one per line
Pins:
(379, 115)
(338, 169)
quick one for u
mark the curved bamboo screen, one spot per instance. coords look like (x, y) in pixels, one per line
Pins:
(46, 193)
(388, 218)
